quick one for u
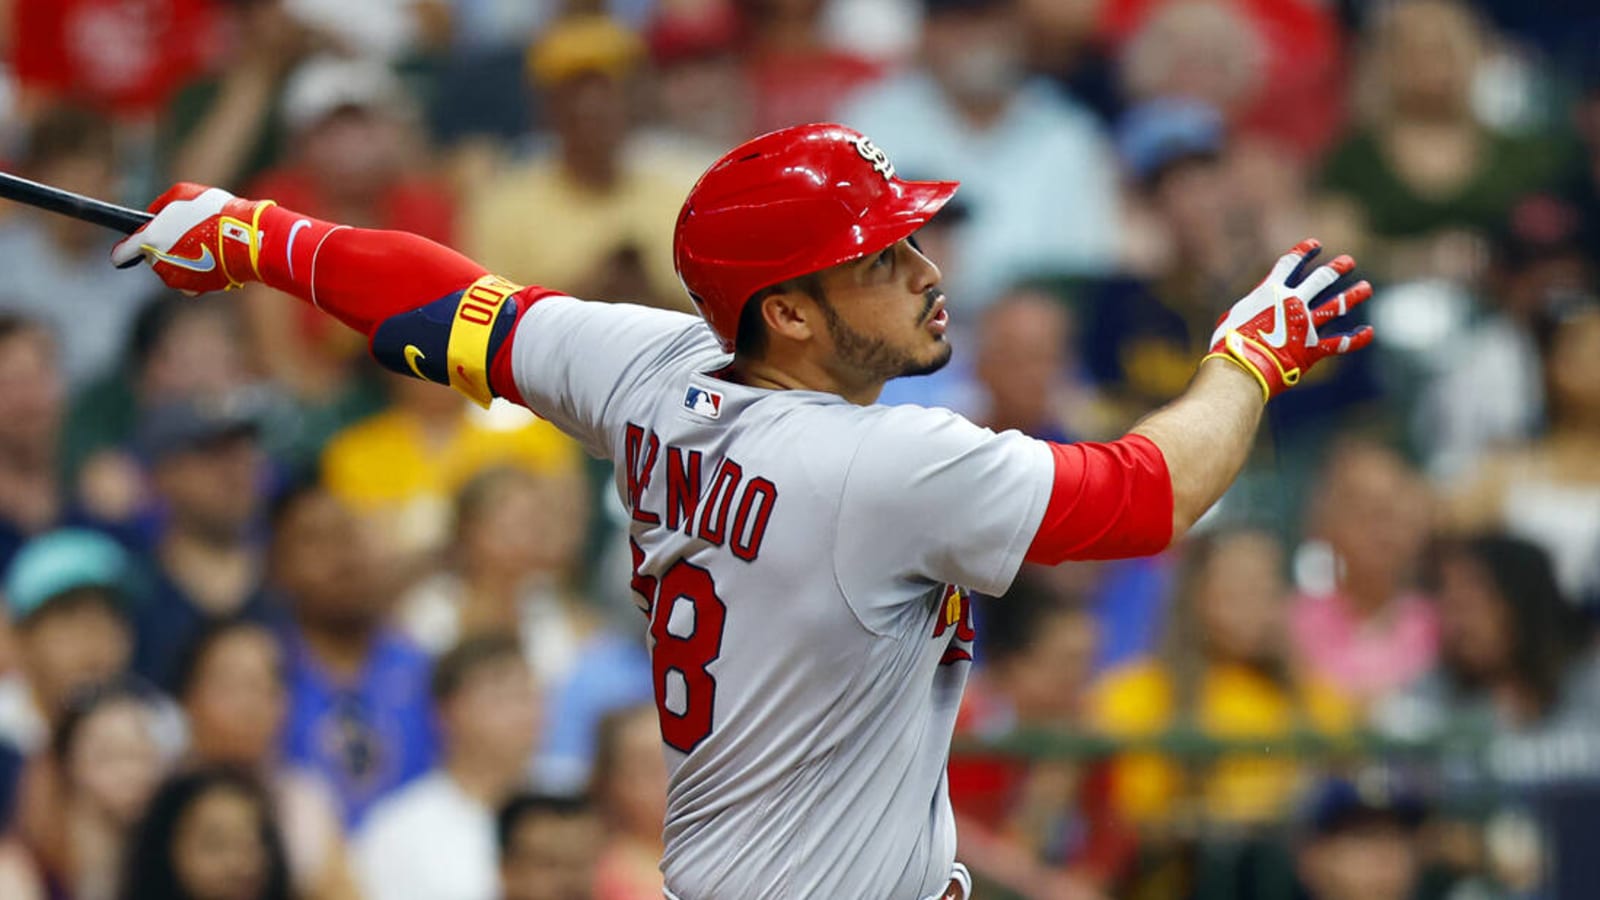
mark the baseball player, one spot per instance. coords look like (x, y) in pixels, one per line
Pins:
(805, 558)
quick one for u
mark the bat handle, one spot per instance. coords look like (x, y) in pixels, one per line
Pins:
(56, 200)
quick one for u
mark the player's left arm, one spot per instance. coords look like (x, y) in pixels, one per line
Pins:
(426, 310)
(1134, 496)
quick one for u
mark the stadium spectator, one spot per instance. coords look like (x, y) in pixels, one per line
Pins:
(124, 57)
(226, 126)
(1065, 45)
(434, 838)
(1548, 491)
(55, 266)
(1225, 674)
(358, 690)
(209, 834)
(1040, 181)
(231, 686)
(401, 467)
(33, 498)
(795, 76)
(354, 133)
(1239, 57)
(206, 563)
(1028, 371)
(606, 212)
(701, 96)
(630, 788)
(514, 568)
(1040, 827)
(1422, 175)
(66, 610)
(107, 756)
(549, 847)
(1192, 242)
(1515, 667)
(179, 348)
(1361, 842)
(1497, 400)
(1359, 620)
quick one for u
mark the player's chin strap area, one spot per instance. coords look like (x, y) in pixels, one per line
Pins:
(960, 887)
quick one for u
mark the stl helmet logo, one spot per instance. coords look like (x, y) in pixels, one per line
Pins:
(872, 153)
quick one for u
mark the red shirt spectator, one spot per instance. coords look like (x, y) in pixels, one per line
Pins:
(1299, 98)
(792, 88)
(124, 56)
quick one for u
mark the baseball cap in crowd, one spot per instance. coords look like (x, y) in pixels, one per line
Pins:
(194, 423)
(1154, 135)
(324, 85)
(1339, 804)
(579, 45)
(59, 562)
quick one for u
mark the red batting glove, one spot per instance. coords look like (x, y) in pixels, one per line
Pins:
(1272, 332)
(201, 239)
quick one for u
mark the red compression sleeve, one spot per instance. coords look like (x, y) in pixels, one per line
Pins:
(1110, 501)
(363, 277)
(356, 275)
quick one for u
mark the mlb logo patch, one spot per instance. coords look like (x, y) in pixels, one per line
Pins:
(702, 402)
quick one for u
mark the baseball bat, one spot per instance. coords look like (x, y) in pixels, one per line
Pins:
(56, 200)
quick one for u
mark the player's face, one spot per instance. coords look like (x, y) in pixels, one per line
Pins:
(885, 315)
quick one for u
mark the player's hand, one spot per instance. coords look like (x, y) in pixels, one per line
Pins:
(1272, 332)
(201, 239)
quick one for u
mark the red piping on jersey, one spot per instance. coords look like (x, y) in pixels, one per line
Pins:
(362, 277)
(1109, 501)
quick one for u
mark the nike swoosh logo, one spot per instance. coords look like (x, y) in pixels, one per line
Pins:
(412, 355)
(1279, 335)
(288, 251)
(205, 262)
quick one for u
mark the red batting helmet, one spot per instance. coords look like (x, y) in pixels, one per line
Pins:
(787, 204)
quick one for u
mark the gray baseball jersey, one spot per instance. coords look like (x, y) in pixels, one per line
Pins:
(805, 566)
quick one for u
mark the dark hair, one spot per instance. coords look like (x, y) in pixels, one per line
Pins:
(149, 871)
(467, 658)
(751, 340)
(1546, 632)
(526, 806)
(480, 492)
(288, 499)
(158, 315)
(1015, 620)
(84, 703)
(193, 657)
(13, 324)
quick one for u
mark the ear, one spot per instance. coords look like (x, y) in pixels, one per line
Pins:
(791, 315)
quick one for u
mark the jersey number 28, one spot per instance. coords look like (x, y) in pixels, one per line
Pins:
(686, 621)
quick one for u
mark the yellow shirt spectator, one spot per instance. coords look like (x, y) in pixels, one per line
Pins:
(1231, 702)
(403, 467)
(593, 216)
(536, 224)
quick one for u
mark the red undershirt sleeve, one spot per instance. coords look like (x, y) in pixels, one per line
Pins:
(1110, 501)
(366, 278)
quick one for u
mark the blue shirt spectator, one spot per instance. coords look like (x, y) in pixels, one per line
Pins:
(359, 712)
(365, 735)
(1037, 173)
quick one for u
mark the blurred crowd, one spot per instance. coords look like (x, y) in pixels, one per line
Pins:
(277, 624)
